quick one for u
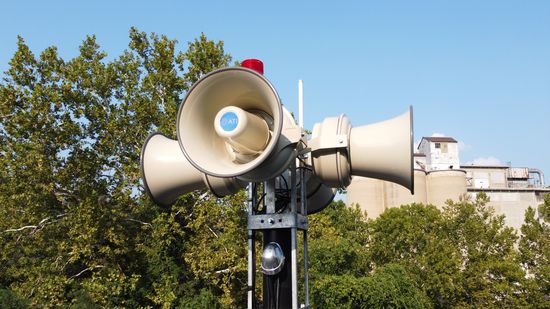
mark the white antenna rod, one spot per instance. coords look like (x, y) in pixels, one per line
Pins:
(300, 104)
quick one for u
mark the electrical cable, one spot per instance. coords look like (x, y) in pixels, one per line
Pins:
(277, 294)
(302, 161)
(286, 183)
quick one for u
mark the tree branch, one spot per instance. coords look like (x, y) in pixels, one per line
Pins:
(87, 269)
(138, 221)
(211, 230)
(200, 199)
(40, 224)
(222, 271)
(22, 228)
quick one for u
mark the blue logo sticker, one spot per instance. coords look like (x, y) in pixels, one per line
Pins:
(229, 121)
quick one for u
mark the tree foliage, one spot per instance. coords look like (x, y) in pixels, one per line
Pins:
(462, 256)
(534, 247)
(388, 287)
(75, 226)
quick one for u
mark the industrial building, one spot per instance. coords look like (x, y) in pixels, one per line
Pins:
(439, 176)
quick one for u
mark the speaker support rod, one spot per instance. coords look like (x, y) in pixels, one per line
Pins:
(252, 204)
(293, 237)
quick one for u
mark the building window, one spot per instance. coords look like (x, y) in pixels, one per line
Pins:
(437, 145)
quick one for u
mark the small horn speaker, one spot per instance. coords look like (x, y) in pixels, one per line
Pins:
(167, 174)
(231, 124)
(165, 171)
(318, 195)
(383, 150)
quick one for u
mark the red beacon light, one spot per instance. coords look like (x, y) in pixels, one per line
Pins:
(254, 64)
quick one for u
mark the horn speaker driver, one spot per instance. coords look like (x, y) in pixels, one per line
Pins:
(232, 124)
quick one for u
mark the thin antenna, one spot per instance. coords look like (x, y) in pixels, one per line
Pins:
(300, 104)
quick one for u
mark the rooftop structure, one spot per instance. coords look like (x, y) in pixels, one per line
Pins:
(441, 153)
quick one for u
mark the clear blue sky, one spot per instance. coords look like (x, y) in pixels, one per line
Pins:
(478, 71)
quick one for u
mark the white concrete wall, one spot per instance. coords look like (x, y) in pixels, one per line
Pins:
(486, 178)
(513, 205)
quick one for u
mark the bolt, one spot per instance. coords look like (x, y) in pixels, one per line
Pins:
(271, 221)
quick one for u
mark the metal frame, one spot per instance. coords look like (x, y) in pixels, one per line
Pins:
(277, 221)
(294, 219)
(252, 203)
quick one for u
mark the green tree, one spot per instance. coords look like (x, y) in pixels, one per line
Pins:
(9, 300)
(462, 256)
(338, 239)
(534, 248)
(490, 276)
(341, 273)
(412, 236)
(388, 287)
(75, 226)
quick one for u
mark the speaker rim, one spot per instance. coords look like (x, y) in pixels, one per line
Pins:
(142, 169)
(277, 133)
(412, 149)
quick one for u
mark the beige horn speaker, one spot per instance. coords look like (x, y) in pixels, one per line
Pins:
(318, 195)
(383, 150)
(232, 124)
(167, 174)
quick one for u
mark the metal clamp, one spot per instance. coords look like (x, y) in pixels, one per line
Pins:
(328, 142)
(277, 221)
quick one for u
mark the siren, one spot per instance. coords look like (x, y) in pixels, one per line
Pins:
(232, 124)
(167, 174)
(383, 150)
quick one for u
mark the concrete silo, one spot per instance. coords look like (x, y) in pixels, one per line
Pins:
(443, 185)
(397, 195)
(368, 193)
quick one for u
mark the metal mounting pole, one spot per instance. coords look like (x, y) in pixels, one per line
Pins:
(282, 236)
(293, 237)
(252, 204)
(303, 199)
(303, 190)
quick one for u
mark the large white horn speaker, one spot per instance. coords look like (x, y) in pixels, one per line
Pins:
(167, 174)
(232, 124)
(383, 150)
